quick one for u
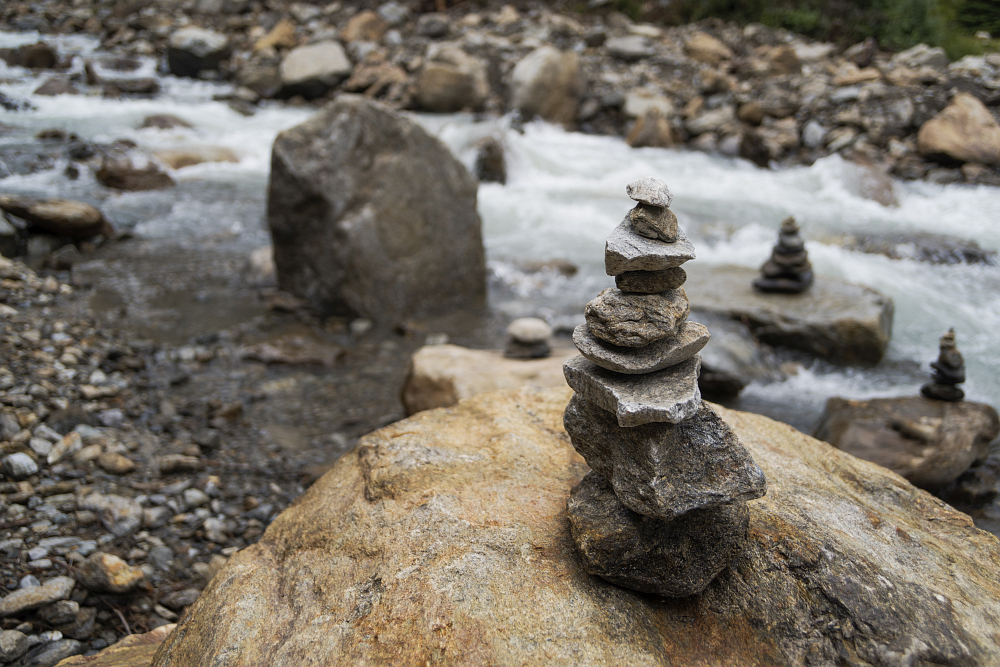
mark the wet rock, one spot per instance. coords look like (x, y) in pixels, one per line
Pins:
(627, 251)
(120, 515)
(35, 56)
(634, 320)
(61, 217)
(547, 83)
(964, 132)
(405, 238)
(191, 50)
(707, 49)
(312, 70)
(528, 338)
(630, 48)
(18, 466)
(491, 167)
(295, 349)
(56, 86)
(839, 321)
(732, 359)
(677, 558)
(13, 645)
(178, 158)
(125, 168)
(650, 282)
(928, 442)
(451, 80)
(26, 599)
(442, 375)
(670, 395)
(107, 573)
(51, 654)
(691, 337)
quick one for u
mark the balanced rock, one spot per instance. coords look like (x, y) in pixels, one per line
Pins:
(650, 282)
(670, 395)
(949, 371)
(788, 271)
(372, 216)
(665, 470)
(627, 250)
(677, 558)
(635, 320)
(690, 339)
(652, 217)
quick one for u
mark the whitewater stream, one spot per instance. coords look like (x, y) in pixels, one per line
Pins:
(564, 194)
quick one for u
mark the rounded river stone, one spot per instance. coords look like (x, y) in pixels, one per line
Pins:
(635, 320)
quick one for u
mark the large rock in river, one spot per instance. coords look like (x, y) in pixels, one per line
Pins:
(444, 539)
(372, 216)
(839, 321)
(547, 83)
(928, 442)
(965, 131)
(62, 217)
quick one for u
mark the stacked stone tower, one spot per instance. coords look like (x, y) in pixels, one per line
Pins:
(664, 508)
(948, 373)
(788, 270)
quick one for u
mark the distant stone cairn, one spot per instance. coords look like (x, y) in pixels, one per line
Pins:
(788, 270)
(948, 373)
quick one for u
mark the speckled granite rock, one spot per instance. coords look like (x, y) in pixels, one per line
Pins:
(627, 251)
(635, 320)
(690, 339)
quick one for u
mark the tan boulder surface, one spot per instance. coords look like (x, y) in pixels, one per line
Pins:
(964, 131)
(444, 539)
(131, 651)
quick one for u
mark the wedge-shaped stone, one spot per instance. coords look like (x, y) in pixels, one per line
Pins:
(675, 558)
(666, 470)
(627, 251)
(636, 320)
(670, 395)
(690, 339)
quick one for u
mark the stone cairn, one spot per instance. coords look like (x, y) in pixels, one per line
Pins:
(788, 270)
(664, 508)
(949, 371)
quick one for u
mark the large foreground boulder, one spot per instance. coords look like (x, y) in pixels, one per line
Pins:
(928, 442)
(372, 216)
(839, 321)
(444, 539)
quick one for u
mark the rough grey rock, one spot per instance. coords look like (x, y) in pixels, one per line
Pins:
(670, 395)
(18, 465)
(547, 83)
(120, 515)
(653, 222)
(59, 613)
(62, 217)
(676, 558)
(690, 339)
(630, 48)
(665, 470)
(193, 49)
(107, 573)
(26, 599)
(627, 251)
(51, 654)
(372, 216)
(733, 358)
(13, 645)
(839, 321)
(314, 69)
(650, 191)
(451, 80)
(650, 282)
(635, 320)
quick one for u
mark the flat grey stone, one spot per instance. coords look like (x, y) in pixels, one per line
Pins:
(690, 339)
(666, 470)
(636, 320)
(670, 395)
(26, 599)
(627, 251)
(650, 282)
(675, 558)
(652, 222)
(650, 191)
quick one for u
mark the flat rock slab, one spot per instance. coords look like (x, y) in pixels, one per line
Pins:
(627, 251)
(130, 651)
(689, 341)
(928, 442)
(835, 320)
(445, 536)
(442, 375)
(666, 470)
(675, 558)
(670, 395)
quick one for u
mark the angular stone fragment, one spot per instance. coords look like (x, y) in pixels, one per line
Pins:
(651, 282)
(690, 339)
(670, 395)
(627, 251)
(665, 470)
(635, 320)
(26, 599)
(650, 191)
(107, 573)
(653, 222)
(675, 558)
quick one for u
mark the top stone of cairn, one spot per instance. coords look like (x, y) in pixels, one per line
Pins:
(650, 191)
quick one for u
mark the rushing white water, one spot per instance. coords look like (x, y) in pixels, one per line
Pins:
(565, 192)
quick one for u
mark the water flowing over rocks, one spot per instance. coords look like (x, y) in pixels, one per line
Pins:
(357, 186)
(447, 533)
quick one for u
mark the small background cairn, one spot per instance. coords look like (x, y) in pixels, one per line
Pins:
(949, 371)
(788, 271)
(664, 509)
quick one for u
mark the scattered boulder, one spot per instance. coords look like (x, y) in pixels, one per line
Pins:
(451, 80)
(707, 49)
(839, 321)
(964, 132)
(124, 167)
(733, 358)
(434, 25)
(921, 247)
(440, 376)
(191, 50)
(653, 130)
(34, 597)
(130, 651)
(178, 158)
(365, 26)
(922, 55)
(164, 121)
(372, 216)
(312, 70)
(107, 573)
(490, 166)
(56, 86)
(35, 56)
(528, 338)
(630, 48)
(547, 83)
(61, 217)
(282, 35)
(928, 442)
(447, 534)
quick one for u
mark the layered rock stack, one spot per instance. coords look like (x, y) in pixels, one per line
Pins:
(948, 373)
(664, 509)
(788, 271)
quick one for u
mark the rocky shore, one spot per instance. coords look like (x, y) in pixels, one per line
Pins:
(767, 95)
